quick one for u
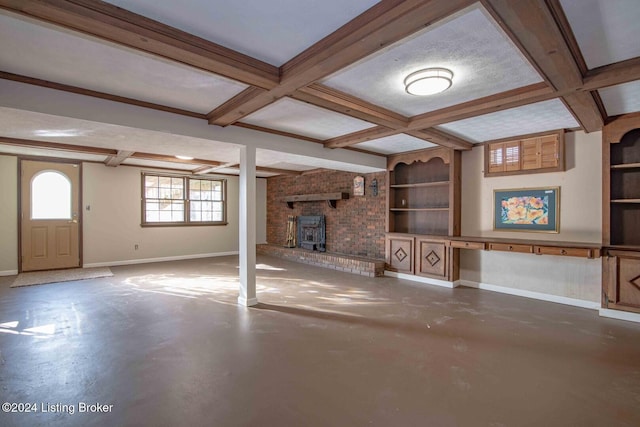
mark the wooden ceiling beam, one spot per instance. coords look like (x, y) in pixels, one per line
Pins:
(489, 104)
(237, 101)
(109, 22)
(441, 138)
(340, 102)
(567, 33)
(534, 27)
(95, 94)
(344, 103)
(121, 156)
(278, 171)
(502, 101)
(173, 159)
(585, 110)
(278, 132)
(207, 169)
(57, 146)
(378, 27)
(360, 136)
(613, 74)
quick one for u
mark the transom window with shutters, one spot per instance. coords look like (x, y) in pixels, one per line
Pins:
(181, 200)
(535, 154)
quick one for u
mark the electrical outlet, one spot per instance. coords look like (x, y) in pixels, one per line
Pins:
(135, 247)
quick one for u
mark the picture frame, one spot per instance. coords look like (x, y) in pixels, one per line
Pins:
(358, 186)
(527, 209)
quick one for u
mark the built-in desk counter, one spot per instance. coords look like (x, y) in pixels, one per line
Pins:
(437, 257)
(538, 247)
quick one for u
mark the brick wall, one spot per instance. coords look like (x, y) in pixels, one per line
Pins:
(356, 227)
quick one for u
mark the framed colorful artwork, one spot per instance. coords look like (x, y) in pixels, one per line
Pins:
(527, 209)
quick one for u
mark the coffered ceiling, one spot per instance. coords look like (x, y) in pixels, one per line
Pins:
(306, 82)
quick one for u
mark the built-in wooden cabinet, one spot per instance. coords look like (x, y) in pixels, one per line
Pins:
(420, 255)
(539, 153)
(423, 200)
(621, 213)
(423, 214)
(424, 192)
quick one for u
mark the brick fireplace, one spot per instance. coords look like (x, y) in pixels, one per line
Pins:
(355, 228)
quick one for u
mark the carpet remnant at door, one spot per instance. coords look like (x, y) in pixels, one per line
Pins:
(55, 276)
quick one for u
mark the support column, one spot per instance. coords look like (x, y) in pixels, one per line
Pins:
(247, 296)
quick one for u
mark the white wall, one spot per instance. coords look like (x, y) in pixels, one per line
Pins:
(580, 221)
(111, 227)
(8, 215)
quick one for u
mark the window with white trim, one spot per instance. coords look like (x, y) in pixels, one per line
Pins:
(183, 200)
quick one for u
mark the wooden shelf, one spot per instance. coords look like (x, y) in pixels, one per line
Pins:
(621, 213)
(625, 201)
(421, 184)
(418, 209)
(331, 198)
(626, 166)
(423, 200)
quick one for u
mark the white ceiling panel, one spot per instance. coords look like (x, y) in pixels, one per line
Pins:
(50, 53)
(539, 117)
(289, 115)
(395, 144)
(484, 62)
(273, 31)
(606, 30)
(621, 99)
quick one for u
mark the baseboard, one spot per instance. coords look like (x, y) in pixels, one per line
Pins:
(9, 273)
(421, 279)
(620, 315)
(159, 259)
(531, 294)
(247, 302)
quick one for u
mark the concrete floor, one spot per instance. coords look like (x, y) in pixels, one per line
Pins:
(166, 345)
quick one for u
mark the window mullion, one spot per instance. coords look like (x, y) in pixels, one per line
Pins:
(187, 200)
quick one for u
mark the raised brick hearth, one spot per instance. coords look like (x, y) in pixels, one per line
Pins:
(346, 263)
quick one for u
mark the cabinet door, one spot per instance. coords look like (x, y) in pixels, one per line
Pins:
(540, 153)
(622, 281)
(504, 156)
(399, 254)
(431, 258)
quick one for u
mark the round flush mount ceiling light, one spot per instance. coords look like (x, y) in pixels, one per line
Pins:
(184, 157)
(428, 81)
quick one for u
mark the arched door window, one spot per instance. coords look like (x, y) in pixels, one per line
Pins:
(50, 196)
